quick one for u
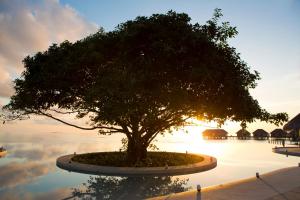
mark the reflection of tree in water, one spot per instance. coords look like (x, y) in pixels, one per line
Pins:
(104, 187)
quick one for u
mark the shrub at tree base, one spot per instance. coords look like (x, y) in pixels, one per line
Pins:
(144, 78)
(154, 159)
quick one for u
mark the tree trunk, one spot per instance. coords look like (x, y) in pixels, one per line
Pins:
(136, 151)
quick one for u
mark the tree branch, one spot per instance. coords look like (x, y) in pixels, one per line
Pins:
(75, 126)
(61, 112)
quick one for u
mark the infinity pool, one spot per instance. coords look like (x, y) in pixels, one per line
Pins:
(29, 170)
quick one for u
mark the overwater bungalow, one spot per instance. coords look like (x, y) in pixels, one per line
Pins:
(260, 134)
(293, 135)
(243, 134)
(215, 134)
(278, 133)
(293, 128)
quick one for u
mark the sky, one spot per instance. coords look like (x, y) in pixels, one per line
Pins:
(268, 40)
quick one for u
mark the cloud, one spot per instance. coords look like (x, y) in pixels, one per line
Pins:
(16, 173)
(16, 194)
(38, 154)
(27, 28)
(6, 88)
(62, 193)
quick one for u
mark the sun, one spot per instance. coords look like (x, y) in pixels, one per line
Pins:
(190, 139)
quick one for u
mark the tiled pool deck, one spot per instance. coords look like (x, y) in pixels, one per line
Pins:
(281, 184)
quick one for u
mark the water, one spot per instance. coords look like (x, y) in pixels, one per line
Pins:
(29, 170)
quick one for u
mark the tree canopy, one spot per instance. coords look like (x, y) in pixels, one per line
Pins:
(148, 75)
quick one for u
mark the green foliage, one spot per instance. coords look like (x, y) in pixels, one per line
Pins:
(145, 77)
(154, 159)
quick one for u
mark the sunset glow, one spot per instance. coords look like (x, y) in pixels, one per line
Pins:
(132, 100)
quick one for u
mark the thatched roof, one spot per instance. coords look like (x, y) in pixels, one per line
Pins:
(293, 124)
(214, 133)
(243, 133)
(278, 133)
(293, 134)
(260, 133)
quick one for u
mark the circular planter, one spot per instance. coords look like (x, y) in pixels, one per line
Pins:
(65, 162)
(291, 151)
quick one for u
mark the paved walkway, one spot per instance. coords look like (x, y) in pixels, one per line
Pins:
(283, 184)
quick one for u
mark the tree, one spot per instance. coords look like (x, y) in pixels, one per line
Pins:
(109, 187)
(145, 77)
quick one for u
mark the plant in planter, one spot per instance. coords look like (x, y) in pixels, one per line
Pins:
(147, 76)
